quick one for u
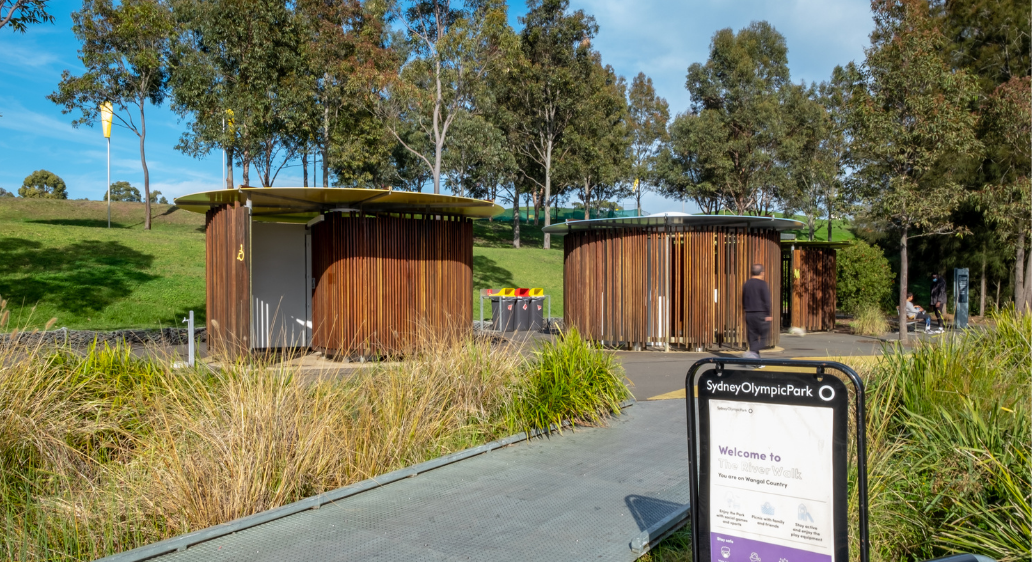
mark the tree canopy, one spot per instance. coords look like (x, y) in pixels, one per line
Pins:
(43, 184)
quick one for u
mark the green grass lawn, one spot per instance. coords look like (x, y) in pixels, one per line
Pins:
(59, 260)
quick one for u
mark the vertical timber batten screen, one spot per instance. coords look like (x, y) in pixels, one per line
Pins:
(227, 271)
(813, 280)
(379, 281)
(616, 281)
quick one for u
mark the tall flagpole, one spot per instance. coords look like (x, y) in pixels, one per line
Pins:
(105, 116)
(109, 182)
(223, 155)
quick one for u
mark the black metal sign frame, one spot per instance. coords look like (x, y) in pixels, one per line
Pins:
(699, 451)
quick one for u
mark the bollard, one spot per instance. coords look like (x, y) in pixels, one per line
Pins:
(190, 344)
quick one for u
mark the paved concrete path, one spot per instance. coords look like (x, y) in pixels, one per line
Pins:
(658, 374)
(584, 495)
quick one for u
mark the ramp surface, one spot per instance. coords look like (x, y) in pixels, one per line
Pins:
(583, 495)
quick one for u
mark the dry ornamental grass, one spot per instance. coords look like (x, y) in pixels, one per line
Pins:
(105, 451)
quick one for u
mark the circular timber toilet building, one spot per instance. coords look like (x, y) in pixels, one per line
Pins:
(670, 280)
(344, 271)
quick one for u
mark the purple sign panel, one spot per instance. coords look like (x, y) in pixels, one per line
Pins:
(727, 548)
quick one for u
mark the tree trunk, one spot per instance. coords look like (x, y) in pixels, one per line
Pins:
(535, 200)
(981, 290)
(1019, 272)
(229, 168)
(811, 228)
(587, 199)
(147, 173)
(326, 146)
(245, 167)
(304, 165)
(1027, 298)
(548, 193)
(996, 301)
(903, 287)
(437, 167)
(515, 218)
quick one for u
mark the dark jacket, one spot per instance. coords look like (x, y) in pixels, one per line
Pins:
(756, 296)
(939, 291)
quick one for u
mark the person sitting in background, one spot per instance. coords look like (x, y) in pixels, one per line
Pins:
(915, 312)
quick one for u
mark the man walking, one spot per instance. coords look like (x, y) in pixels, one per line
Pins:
(756, 304)
(939, 299)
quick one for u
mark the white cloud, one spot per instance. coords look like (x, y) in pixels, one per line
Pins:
(17, 117)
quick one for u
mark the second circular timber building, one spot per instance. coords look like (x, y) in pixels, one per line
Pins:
(669, 280)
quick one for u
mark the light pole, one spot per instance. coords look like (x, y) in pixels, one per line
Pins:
(105, 117)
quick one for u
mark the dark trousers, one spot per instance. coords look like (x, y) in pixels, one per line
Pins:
(938, 307)
(756, 330)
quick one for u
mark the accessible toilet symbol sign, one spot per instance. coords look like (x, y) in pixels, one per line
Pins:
(768, 455)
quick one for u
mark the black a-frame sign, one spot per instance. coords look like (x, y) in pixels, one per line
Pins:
(767, 450)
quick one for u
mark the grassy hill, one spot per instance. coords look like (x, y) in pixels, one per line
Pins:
(59, 260)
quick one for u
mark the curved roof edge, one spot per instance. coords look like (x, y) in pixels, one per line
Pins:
(670, 219)
(301, 204)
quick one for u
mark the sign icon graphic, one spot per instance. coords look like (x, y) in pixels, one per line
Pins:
(767, 509)
(754, 557)
(725, 551)
(804, 514)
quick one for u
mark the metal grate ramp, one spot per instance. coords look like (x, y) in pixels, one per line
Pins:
(584, 495)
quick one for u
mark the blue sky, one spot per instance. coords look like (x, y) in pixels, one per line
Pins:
(660, 38)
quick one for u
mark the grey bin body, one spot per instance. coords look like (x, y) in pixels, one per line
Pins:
(537, 313)
(523, 306)
(503, 314)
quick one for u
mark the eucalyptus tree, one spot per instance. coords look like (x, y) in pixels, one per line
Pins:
(347, 55)
(124, 51)
(449, 48)
(738, 95)
(815, 154)
(600, 138)
(685, 165)
(17, 14)
(649, 114)
(911, 125)
(229, 60)
(546, 87)
(1005, 121)
(477, 158)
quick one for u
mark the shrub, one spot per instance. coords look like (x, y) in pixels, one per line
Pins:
(864, 277)
(5, 193)
(870, 321)
(42, 184)
(571, 378)
(949, 429)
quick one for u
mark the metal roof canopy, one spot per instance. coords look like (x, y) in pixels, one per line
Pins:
(670, 219)
(301, 204)
(815, 243)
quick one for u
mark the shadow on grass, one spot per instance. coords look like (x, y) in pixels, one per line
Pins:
(81, 277)
(90, 223)
(487, 274)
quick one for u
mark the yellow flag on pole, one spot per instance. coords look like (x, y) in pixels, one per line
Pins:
(635, 188)
(106, 113)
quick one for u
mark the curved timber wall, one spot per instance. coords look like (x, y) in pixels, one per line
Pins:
(384, 283)
(227, 271)
(673, 285)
